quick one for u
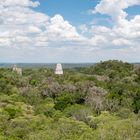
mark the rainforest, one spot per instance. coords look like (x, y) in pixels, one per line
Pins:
(99, 102)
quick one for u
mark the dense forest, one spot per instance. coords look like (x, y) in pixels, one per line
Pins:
(100, 102)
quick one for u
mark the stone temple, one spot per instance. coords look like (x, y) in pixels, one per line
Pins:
(17, 70)
(59, 69)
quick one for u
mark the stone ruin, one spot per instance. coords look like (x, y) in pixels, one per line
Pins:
(59, 69)
(17, 70)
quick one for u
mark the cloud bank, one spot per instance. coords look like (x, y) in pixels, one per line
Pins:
(28, 35)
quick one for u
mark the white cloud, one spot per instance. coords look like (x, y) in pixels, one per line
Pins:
(34, 30)
(124, 33)
(19, 3)
(60, 29)
(115, 9)
(121, 42)
(20, 24)
(83, 28)
(26, 32)
(98, 40)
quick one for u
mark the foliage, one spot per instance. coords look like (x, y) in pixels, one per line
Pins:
(100, 102)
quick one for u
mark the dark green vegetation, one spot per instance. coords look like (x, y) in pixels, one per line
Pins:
(97, 103)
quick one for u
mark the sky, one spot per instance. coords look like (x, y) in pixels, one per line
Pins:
(69, 31)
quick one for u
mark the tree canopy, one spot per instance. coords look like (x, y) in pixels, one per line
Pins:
(100, 102)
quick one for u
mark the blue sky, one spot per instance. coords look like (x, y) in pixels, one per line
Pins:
(69, 30)
(75, 11)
